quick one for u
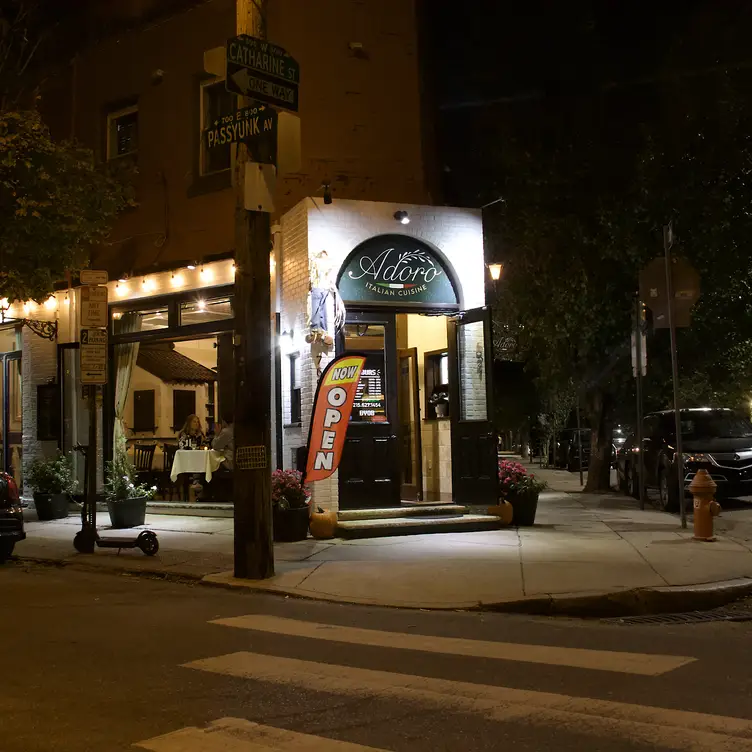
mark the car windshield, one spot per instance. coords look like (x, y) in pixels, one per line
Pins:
(718, 425)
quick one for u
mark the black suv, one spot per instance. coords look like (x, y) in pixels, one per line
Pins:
(715, 439)
(11, 516)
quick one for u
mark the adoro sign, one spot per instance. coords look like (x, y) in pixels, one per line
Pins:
(331, 414)
(397, 270)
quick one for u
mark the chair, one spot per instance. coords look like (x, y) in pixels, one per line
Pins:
(143, 457)
(167, 489)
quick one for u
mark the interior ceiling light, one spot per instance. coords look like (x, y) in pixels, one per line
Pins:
(191, 266)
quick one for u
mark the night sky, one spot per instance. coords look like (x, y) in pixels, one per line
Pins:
(491, 58)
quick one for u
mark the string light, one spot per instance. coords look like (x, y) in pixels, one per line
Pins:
(149, 284)
(4, 304)
(66, 300)
(120, 289)
(51, 303)
(177, 279)
(207, 275)
(27, 307)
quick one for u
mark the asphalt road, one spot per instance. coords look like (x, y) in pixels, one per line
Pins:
(104, 662)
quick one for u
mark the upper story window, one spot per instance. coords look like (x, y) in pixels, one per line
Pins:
(216, 102)
(122, 132)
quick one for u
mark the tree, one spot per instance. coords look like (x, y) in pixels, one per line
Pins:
(56, 203)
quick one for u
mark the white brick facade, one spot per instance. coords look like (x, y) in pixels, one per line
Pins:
(339, 228)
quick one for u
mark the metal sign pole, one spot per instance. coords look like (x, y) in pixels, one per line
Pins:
(668, 241)
(638, 376)
(579, 442)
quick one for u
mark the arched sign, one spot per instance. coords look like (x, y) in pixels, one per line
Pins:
(397, 270)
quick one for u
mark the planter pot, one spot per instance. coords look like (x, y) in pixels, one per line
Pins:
(504, 511)
(51, 506)
(290, 525)
(524, 508)
(127, 512)
(323, 524)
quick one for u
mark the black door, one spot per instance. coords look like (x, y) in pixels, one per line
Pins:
(369, 469)
(474, 453)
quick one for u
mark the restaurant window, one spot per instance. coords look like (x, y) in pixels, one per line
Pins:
(437, 384)
(200, 310)
(122, 132)
(183, 405)
(145, 320)
(295, 391)
(144, 410)
(216, 102)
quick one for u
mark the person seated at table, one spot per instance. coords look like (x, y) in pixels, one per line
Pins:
(224, 441)
(191, 435)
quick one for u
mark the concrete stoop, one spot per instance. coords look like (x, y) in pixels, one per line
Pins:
(412, 520)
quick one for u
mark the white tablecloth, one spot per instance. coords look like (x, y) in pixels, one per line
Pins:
(201, 461)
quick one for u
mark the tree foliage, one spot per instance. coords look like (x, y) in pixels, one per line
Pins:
(56, 203)
(582, 213)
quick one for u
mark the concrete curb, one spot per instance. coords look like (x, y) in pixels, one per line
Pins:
(635, 602)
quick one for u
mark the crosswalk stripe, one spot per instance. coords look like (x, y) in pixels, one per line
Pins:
(601, 660)
(238, 735)
(672, 729)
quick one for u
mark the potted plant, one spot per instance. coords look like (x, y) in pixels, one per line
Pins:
(53, 482)
(126, 497)
(521, 489)
(289, 506)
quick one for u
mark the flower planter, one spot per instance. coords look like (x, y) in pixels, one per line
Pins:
(127, 512)
(524, 507)
(323, 525)
(51, 506)
(290, 525)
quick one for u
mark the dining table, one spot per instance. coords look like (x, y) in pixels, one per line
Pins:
(197, 462)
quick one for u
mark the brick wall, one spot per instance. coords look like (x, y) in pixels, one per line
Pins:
(471, 354)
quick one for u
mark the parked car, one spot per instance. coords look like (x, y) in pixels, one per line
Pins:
(11, 516)
(718, 440)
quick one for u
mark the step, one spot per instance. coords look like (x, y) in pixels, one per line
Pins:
(190, 509)
(413, 510)
(468, 523)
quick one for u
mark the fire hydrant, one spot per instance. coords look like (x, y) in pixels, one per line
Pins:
(702, 489)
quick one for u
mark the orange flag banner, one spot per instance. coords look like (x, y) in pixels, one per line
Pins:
(331, 414)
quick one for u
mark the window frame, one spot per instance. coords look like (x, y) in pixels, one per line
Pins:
(431, 376)
(202, 125)
(296, 393)
(109, 141)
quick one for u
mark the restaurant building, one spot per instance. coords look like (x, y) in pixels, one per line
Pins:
(408, 274)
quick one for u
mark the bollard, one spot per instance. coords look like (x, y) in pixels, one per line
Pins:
(706, 507)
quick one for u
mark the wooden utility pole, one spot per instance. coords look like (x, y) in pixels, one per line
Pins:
(254, 553)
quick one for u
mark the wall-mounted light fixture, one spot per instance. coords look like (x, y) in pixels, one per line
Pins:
(191, 267)
(402, 217)
(495, 271)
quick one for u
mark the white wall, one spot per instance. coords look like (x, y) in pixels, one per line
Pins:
(338, 228)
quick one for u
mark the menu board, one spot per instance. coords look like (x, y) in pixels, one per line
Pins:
(370, 399)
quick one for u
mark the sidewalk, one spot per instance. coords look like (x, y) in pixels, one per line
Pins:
(595, 554)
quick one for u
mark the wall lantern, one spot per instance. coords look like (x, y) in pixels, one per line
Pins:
(402, 217)
(495, 271)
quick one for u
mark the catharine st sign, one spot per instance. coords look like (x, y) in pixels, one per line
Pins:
(262, 70)
(396, 269)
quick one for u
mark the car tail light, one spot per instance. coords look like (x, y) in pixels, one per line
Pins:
(9, 496)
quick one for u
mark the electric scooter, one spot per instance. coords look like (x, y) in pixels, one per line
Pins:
(87, 537)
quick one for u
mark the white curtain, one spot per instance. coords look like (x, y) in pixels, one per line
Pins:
(125, 360)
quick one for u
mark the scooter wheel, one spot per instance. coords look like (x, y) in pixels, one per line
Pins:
(84, 543)
(148, 543)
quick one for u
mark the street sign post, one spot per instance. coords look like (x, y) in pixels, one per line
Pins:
(93, 349)
(255, 126)
(93, 306)
(93, 277)
(263, 71)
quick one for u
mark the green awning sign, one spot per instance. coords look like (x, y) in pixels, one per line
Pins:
(396, 270)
